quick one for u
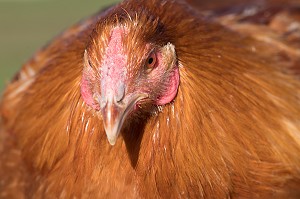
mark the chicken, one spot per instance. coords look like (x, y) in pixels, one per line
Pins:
(159, 99)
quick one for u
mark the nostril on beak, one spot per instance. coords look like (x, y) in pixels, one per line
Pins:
(120, 92)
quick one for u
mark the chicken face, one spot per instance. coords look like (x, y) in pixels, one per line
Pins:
(124, 71)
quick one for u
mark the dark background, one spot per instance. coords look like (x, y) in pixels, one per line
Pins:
(27, 25)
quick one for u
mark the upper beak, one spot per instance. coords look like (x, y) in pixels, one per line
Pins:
(114, 115)
(113, 119)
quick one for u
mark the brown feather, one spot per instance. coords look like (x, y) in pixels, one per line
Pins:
(233, 130)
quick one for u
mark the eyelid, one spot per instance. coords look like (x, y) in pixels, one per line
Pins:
(87, 60)
(90, 63)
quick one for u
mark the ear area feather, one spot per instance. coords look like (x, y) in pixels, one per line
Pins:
(169, 55)
(172, 76)
(85, 58)
(88, 78)
(87, 64)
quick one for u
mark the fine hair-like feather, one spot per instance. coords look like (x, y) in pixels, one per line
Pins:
(233, 130)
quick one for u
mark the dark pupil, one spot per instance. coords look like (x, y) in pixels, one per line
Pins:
(150, 61)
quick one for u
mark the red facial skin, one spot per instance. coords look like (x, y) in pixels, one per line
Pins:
(156, 81)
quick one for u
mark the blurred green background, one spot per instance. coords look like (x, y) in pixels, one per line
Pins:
(27, 25)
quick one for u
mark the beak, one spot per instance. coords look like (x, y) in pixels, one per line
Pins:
(114, 114)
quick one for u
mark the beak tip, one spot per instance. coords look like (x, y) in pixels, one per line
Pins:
(112, 141)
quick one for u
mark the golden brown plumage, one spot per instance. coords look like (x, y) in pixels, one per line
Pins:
(232, 131)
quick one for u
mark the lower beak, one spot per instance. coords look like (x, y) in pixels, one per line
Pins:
(114, 116)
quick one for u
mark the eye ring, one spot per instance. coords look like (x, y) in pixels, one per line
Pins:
(151, 61)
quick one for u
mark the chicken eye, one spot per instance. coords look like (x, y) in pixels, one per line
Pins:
(151, 61)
